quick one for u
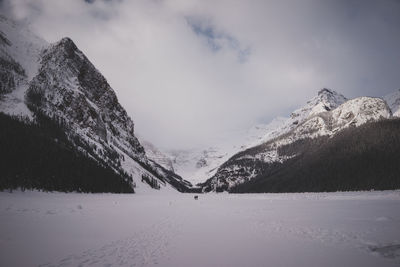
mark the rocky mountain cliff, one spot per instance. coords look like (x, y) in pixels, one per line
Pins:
(58, 81)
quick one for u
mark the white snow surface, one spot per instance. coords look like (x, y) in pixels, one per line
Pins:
(171, 229)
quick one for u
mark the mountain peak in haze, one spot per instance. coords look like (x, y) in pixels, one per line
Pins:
(393, 100)
(325, 100)
(330, 97)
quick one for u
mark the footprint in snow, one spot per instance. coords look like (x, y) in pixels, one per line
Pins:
(143, 249)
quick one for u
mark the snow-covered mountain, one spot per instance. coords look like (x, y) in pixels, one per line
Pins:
(325, 115)
(326, 100)
(320, 116)
(198, 164)
(58, 81)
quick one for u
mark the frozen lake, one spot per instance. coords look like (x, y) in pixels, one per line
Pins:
(321, 229)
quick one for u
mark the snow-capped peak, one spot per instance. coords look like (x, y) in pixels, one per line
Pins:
(322, 116)
(198, 164)
(326, 100)
(60, 82)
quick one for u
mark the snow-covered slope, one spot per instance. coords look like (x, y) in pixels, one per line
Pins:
(324, 101)
(358, 111)
(393, 100)
(196, 165)
(324, 115)
(261, 133)
(20, 44)
(354, 112)
(59, 81)
(156, 155)
(19, 57)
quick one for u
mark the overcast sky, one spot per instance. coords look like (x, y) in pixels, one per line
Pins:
(189, 72)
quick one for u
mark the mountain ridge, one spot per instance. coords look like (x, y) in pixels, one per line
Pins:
(310, 121)
(197, 165)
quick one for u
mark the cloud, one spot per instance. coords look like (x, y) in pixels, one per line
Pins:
(189, 72)
(217, 40)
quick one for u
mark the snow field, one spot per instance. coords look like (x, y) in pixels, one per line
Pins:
(171, 229)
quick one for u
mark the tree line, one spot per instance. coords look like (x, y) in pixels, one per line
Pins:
(40, 155)
(357, 158)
